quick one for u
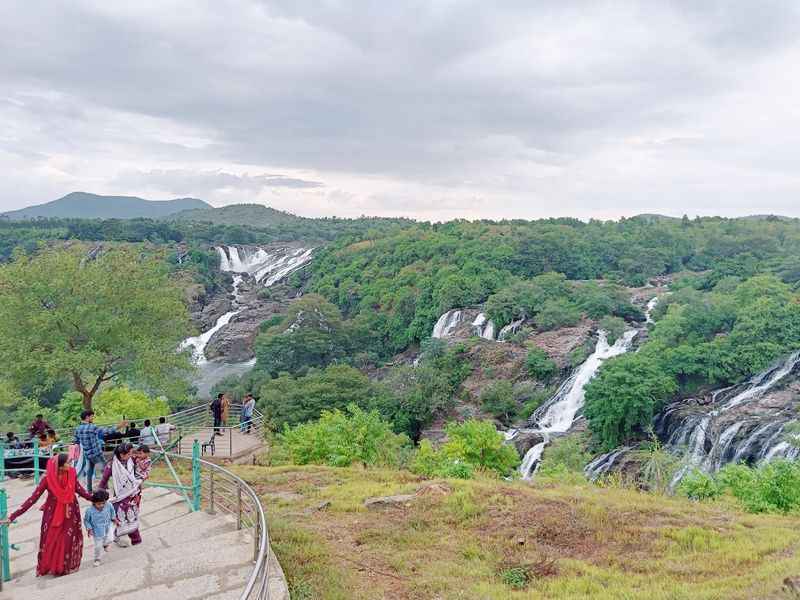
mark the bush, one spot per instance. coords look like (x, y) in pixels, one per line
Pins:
(697, 485)
(112, 405)
(539, 365)
(498, 400)
(770, 487)
(472, 445)
(613, 326)
(565, 455)
(557, 313)
(339, 439)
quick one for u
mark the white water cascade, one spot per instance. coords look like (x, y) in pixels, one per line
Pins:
(447, 323)
(483, 327)
(267, 268)
(710, 452)
(557, 414)
(648, 311)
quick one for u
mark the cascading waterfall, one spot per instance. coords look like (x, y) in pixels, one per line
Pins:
(557, 414)
(649, 308)
(483, 327)
(447, 323)
(512, 327)
(266, 268)
(712, 439)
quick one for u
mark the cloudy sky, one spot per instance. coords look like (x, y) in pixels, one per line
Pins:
(434, 110)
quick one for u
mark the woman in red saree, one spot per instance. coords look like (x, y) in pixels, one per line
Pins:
(61, 542)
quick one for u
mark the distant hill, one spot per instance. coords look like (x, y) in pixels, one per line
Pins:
(254, 215)
(82, 205)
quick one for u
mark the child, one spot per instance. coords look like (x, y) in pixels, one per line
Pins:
(100, 519)
(141, 462)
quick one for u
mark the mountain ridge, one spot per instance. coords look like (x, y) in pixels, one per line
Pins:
(85, 205)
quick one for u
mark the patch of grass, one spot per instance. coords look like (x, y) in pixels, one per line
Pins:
(496, 540)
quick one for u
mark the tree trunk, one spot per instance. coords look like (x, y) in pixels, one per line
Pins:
(87, 393)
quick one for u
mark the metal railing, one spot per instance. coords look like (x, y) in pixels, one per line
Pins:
(214, 489)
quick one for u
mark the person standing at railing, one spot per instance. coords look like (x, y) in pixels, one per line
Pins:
(226, 408)
(12, 441)
(216, 410)
(132, 433)
(248, 407)
(163, 429)
(61, 540)
(87, 435)
(148, 434)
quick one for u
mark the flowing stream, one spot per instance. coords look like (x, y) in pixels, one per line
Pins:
(557, 414)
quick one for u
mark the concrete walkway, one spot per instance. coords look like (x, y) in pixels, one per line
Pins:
(186, 555)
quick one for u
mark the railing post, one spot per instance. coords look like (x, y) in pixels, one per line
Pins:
(2, 461)
(5, 561)
(256, 539)
(239, 506)
(196, 475)
(230, 442)
(211, 509)
(36, 460)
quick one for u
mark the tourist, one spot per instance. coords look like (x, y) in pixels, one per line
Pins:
(44, 441)
(12, 441)
(88, 435)
(216, 410)
(163, 429)
(38, 426)
(120, 470)
(61, 539)
(148, 434)
(132, 433)
(52, 437)
(100, 519)
(141, 462)
(246, 418)
(226, 407)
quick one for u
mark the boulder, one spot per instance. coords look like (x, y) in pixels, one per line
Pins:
(525, 440)
(435, 488)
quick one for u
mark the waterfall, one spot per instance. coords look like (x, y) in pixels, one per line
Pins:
(512, 327)
(447, 323)
(648, 311)
(265, 267)
(200, 342)
(730, 431)
(557, 414)
(483, 327)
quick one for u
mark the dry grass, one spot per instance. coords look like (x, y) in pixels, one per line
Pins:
(490, 539)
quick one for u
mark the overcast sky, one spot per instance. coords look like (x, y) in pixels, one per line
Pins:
(434, 110)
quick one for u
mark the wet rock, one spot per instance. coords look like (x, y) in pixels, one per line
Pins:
(525, 440)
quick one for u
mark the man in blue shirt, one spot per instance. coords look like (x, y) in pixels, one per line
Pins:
(88, 435)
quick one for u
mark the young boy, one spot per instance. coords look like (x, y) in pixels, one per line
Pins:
(100, 519)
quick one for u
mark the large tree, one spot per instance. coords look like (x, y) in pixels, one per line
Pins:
(91, 319)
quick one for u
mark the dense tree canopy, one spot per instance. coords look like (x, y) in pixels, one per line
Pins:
(91, 319)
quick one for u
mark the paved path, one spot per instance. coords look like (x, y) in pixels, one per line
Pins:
(184, 555)
(232, 444)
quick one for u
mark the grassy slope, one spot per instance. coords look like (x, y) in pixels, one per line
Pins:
(578, 540)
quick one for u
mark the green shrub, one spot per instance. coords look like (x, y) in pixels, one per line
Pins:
(565, 455)
(339, 439)
(557, 313)
(516, 577)
(497, 399)
(658, 467)
(700, 486)
(539, 365)
(613, 326)
(472, 445)
(769, 487)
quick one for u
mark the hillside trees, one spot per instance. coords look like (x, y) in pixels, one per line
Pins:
(112, 317)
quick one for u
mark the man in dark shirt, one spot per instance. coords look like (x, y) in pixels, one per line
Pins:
(216, 410)
(132, 433)
(38, 427)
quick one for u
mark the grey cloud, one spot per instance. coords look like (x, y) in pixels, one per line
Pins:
(186, 182)
(542, 99)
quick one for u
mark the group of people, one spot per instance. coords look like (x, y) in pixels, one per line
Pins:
(39, 430)
(108, 520)
(220, 409)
